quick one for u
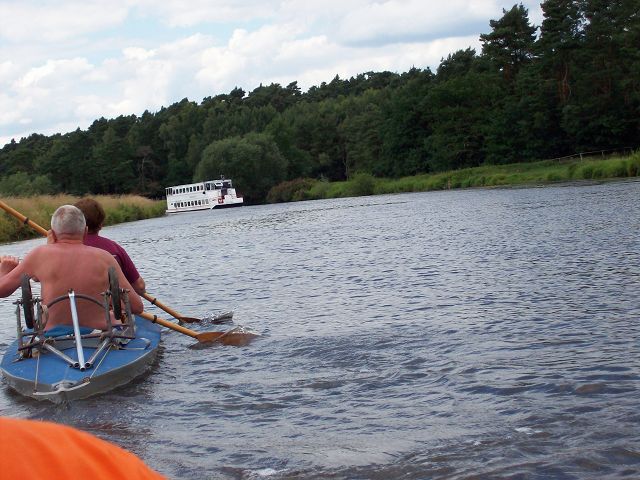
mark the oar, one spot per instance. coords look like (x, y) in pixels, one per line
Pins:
(169, 310)
(43, 232)
(237, 339)
(23, 219)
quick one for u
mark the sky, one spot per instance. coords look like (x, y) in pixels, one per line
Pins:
(65, 63)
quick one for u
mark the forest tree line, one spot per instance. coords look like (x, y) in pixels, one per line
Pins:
(570, 85)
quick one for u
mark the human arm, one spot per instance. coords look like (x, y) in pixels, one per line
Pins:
(139, 286)
(134, 299)
(130, 271)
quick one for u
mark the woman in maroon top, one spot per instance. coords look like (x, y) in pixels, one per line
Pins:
(94, 214)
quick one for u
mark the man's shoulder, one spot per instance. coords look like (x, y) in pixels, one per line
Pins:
(45, 254)
(39, 250)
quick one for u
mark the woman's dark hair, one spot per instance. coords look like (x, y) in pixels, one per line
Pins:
(93, 213)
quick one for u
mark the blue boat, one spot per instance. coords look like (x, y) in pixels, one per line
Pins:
(71, 362)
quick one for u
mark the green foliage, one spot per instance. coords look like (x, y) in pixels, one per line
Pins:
(112, 159)
(254, 162)
(21, 184)
(597, 169)
(362, 184)
(511, 42)
(319, 190)
(458, 109)
(291, 191)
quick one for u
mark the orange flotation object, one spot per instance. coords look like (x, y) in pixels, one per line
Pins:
(44, 450)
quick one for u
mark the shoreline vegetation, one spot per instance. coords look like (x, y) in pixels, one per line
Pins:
(516, 174)
(127, 208)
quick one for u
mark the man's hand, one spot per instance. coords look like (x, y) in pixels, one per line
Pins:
(8, 263)
(51, 237)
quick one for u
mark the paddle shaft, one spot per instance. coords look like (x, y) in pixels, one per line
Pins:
(201, 337)
(169, 310)
(166, 323)
(24, 220)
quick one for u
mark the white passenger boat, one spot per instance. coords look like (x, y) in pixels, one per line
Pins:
(202, 196)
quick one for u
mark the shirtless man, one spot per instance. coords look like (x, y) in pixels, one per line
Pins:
(66, 263)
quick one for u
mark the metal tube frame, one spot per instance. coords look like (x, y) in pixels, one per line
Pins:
(40, 342)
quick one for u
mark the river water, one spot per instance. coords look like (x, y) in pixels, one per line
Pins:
(489, 333)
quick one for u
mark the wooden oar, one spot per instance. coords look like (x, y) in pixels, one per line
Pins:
(228, 338)
(237, 339)
(23, 219)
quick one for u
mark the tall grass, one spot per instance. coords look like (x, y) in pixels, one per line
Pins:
(119, 209)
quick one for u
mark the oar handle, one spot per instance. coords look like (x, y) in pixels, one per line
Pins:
(155, 301)
(23, 219)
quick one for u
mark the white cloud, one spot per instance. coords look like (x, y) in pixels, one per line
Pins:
(395, 21)
(52, 73)
(58, 20)
(178, 13)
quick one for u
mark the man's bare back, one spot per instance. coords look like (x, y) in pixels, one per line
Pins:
(63, 265)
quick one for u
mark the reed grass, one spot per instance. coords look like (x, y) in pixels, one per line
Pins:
(125, 208)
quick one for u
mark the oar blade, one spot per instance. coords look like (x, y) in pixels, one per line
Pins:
(238, 339)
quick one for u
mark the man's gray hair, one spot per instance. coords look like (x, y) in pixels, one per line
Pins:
(68, 220)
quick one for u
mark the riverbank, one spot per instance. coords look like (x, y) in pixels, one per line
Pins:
(125, 208)
(518, 174)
